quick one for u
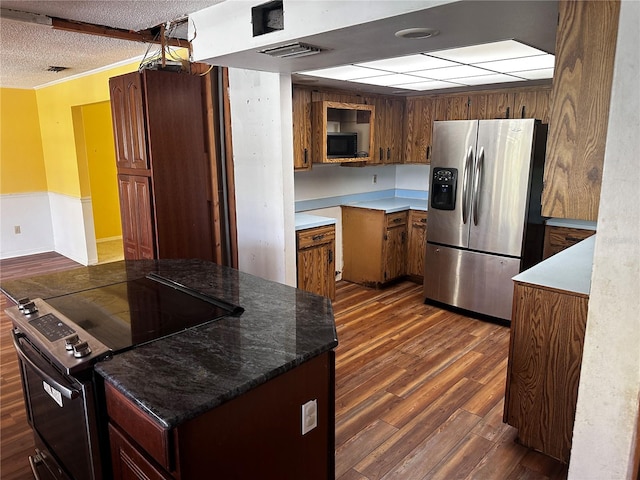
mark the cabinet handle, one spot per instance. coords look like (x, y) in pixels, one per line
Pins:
(423, 220)
(388, 153)
(305, 156)
(381, 154)
(397, 220)
(318, 237)
(573, 239)
(428, 153)
(330, 256)
(508, 112)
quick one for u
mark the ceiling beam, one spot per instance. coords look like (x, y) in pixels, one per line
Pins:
(146, 36)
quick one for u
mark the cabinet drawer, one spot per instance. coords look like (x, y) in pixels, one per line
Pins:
(316, 236)
(558, 238)
(149, 435)
(417, 218)
(395, 219)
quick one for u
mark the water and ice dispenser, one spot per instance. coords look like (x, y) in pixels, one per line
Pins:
(443, 188)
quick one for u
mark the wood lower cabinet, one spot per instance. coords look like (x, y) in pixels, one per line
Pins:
(255, 435)
(557, 239)
(374, 245)
(545, 357)
(315, 262)
(417, 232)
(172, 185)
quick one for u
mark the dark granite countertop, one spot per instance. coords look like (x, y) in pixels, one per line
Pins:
(177, 378)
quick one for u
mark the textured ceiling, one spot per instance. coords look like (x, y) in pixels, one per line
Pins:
(27, 50)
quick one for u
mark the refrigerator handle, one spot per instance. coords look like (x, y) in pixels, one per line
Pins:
(465, 185)
(476, 184)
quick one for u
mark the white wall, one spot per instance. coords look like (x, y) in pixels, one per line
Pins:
(609, 391)
(30, 211)
(413, 177)
(73, 230)
(263, 167)
(324, 181)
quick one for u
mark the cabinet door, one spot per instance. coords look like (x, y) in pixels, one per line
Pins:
(136, 216)
(380, 135)
(394, 112)
(316, 269)
(301, 128)
(127, 109)
(452, 107)
(395, 246)
(581, 92)
(417, 243)
(533, 104)
(488, 106)
(128, 462)
(418, 127)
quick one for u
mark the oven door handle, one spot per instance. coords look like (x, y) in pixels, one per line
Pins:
(69, 393)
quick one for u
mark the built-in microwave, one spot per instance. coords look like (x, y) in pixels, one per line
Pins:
(342, 144)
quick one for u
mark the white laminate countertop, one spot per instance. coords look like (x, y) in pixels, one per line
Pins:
(569, 223)
(568, 270)
(392, 204)
(306, 220)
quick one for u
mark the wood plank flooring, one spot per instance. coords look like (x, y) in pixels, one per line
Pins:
(420, 393)
(419, 390)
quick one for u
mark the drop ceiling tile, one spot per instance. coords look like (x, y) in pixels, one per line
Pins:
(488, 79)
(538, 74)
(519, 64)
(428, 85)
(487, 52)
(448, 73)
(345, 72)
(387, 80)
(408, 63)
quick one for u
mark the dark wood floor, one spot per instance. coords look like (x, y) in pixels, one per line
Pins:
(419, 390)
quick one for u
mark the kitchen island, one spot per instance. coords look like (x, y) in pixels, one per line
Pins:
(223, 397)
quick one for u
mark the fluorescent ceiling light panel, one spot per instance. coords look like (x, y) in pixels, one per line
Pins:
(519, 64)
(487, 52)
(449, 73)
(346, 72)
(409, 63)
(536, 74)
(498, 62)
(487, 79)
(388, 80)
(427, 85)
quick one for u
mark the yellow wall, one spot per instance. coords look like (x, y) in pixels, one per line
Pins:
(64, 174)
(101, 162)
(21, 158)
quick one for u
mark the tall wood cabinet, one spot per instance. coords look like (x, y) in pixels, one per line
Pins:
(162, 163)
(585, 50)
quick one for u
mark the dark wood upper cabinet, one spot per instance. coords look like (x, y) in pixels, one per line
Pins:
(163, 167)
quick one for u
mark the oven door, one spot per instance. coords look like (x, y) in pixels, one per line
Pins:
(61, 411)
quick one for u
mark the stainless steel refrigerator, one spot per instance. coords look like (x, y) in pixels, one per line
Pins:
(484, 220)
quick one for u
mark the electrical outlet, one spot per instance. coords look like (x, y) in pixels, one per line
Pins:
(375, 179)
(16, 230)
(309, 416)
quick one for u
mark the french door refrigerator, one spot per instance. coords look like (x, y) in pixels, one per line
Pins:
(485, 223)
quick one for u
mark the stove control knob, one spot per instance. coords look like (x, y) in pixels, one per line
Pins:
(81, 349)
(29, 308)
(22, 302)
(70, 341)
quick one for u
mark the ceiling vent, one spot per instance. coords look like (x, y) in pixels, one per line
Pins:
(53, 68)
(291, 50)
